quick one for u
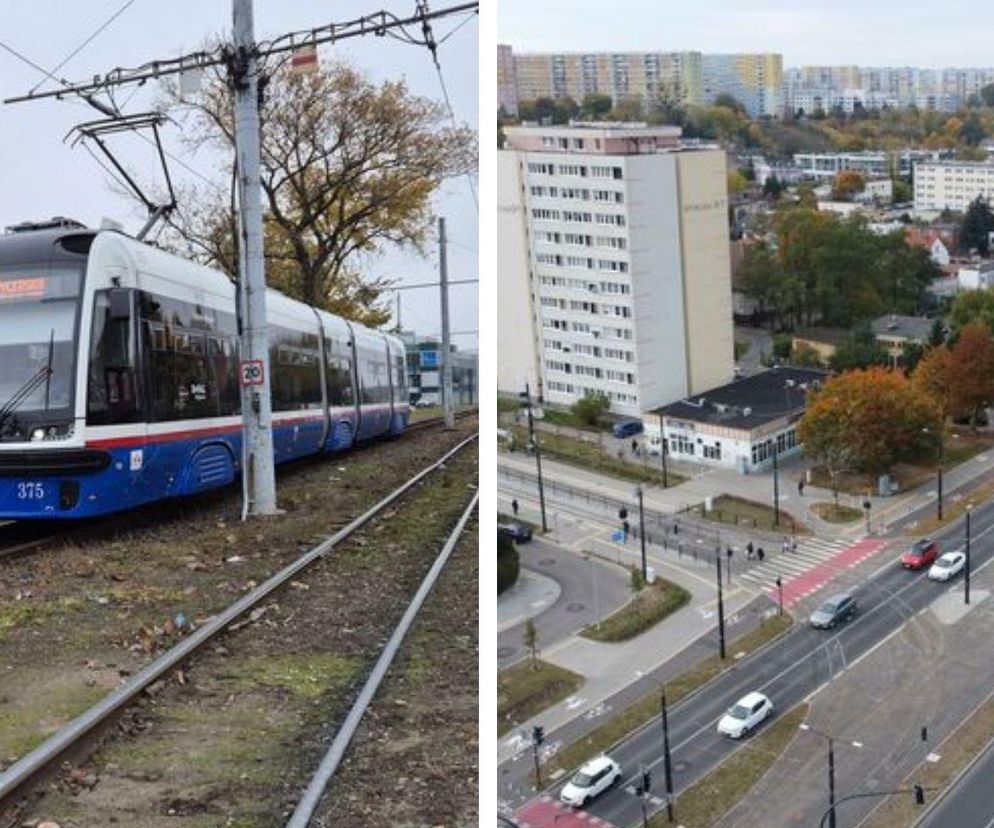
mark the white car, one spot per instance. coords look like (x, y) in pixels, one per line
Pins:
(744, 715)
(946, 566)
(592, 779)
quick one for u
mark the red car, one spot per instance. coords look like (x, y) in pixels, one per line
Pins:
(923, 553)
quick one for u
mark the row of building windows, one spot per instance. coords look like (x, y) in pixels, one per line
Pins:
(581, 240)
(610, 219)
(763, 451)
(581, 262)
(623, 334)
(573, 169)
(586, 307)
(583, 284)
(581, 193)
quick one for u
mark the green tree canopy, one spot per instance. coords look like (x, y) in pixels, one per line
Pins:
(590, 408)
(972, 306)
(596, 105)
(978, 222)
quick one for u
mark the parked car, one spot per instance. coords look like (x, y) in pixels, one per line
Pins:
(945, 567)
(835, 610)
(924, 552)
(592, 779)
(627, 428)
(517, 532)
(746, 714)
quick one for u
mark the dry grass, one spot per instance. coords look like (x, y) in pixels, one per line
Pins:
(524, 690)
(831, 513)
(655, 603)
(741, 512)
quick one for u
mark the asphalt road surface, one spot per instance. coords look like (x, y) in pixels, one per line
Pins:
(971, 803)
(588, 587)
(788, 672)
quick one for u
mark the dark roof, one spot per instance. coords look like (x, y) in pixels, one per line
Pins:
(916, 328)
(749, 402)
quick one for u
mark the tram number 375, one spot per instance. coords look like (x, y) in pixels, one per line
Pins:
(30, 491)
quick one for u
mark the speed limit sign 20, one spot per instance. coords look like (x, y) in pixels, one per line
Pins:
(251, 372)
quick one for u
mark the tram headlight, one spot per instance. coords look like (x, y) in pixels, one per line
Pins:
(38, 434)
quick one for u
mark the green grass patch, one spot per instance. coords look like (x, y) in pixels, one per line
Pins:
(565, 417)
(507, 404)
(836, 514)
(524, 690)
(589, 456)
(651, 606)
(741, 512)
(14, 614)
(708, 799)
(646, 709)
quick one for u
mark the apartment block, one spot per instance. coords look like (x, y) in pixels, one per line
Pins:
(613, 270)
(755, 80)
(507, 81)
(675, 76)
(952, 185)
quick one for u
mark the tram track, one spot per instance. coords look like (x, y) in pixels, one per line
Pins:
(26, 773)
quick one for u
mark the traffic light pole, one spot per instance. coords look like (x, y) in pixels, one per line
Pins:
(538, 457)
(831, 783)
(917, 790)
(966, 573)
(538, 736)
(721, 606)
(642, 535)
(776, 487)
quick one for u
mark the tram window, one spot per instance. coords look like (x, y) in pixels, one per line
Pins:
(112, 386)
(295, 370)
(339, 381)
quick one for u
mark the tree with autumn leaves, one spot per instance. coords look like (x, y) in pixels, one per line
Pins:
(959, 378)
(867, 421)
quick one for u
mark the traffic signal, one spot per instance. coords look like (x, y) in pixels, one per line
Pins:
(779, 582)
(924, 733)
(538, 734)
(622, 513)
(919, 795)
(676, 528)
(626, 528)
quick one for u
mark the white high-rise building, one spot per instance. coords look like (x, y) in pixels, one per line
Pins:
(613, 265)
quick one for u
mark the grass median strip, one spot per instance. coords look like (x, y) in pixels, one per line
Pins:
(708, 799)
(953, 510)
(956, 751)
(741, 512)
(645, 709)
(525, 689)
(649, 607)
(836, 514)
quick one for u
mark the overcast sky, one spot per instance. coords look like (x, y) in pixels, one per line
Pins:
(41, 176)
(863, 32)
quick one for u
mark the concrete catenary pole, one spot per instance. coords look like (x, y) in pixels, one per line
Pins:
(257, 409)
(446, 339)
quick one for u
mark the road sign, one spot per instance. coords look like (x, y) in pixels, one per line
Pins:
(618, 537)
(250, 372)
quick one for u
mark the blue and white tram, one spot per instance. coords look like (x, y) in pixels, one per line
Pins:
(119, 381)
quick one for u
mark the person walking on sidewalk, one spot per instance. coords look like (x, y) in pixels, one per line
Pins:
(793, 546)
(514, 507)
(800, 487)
(760, 554)
(749, 551)
(785, 546)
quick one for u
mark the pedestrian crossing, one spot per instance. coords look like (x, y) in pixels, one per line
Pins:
(811, 552)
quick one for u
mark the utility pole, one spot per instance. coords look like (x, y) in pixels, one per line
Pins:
(721, 605)
(831, 782)
(966, 571)
(667, 766)
(257, 408)
(645, 571)
(443, 277)
(776, 487)
(538, 456)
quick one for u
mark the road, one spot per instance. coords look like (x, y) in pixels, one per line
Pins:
(578, 603)
(797, 665)
(971, 803)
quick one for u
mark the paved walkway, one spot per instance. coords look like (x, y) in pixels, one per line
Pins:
(533, 593)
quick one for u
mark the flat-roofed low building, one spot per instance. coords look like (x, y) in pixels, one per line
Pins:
(896, 332)
(740, 425)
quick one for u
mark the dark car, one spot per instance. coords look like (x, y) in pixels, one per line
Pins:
(834, 611)
(627, 428)
(517, 532)
(923, 553)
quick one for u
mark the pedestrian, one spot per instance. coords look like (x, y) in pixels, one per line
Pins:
(800, 487)
(514, 507)
(729, 553)
(793, 545)
(749, 551)
(760, 554)
(785, 546)
(635, 447)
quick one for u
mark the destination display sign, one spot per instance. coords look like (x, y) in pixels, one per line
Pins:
(24, 288)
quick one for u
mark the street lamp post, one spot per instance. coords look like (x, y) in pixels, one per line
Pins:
(721, 605)
(638, 491)
(776, 487)
(942, 455)
(663, 451)
(667, 766)
(780, 592)
(538, 457)
(867, 505)
(966, 574)
(830, 813)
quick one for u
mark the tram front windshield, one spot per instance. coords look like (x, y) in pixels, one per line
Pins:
(38, 319)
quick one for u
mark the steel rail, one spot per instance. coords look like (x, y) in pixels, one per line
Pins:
(329, 764)
(18, 775)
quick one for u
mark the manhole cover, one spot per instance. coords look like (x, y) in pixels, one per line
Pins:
(547, 561)
(575, 607)
(504, 652)
(680, 767)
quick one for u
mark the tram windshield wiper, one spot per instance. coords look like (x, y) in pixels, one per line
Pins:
(43, 375)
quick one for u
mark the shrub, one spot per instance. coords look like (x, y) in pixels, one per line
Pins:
(590, 407)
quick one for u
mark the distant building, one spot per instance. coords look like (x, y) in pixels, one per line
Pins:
(507, 81)
(424, 372)
(613, 273)
(754, 80)
(739, 425)
(824, 165)
(952, 185)
(896, 332)
(939, 242)
(976, 276)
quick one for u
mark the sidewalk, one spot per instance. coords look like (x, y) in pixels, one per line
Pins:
(532, 594)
